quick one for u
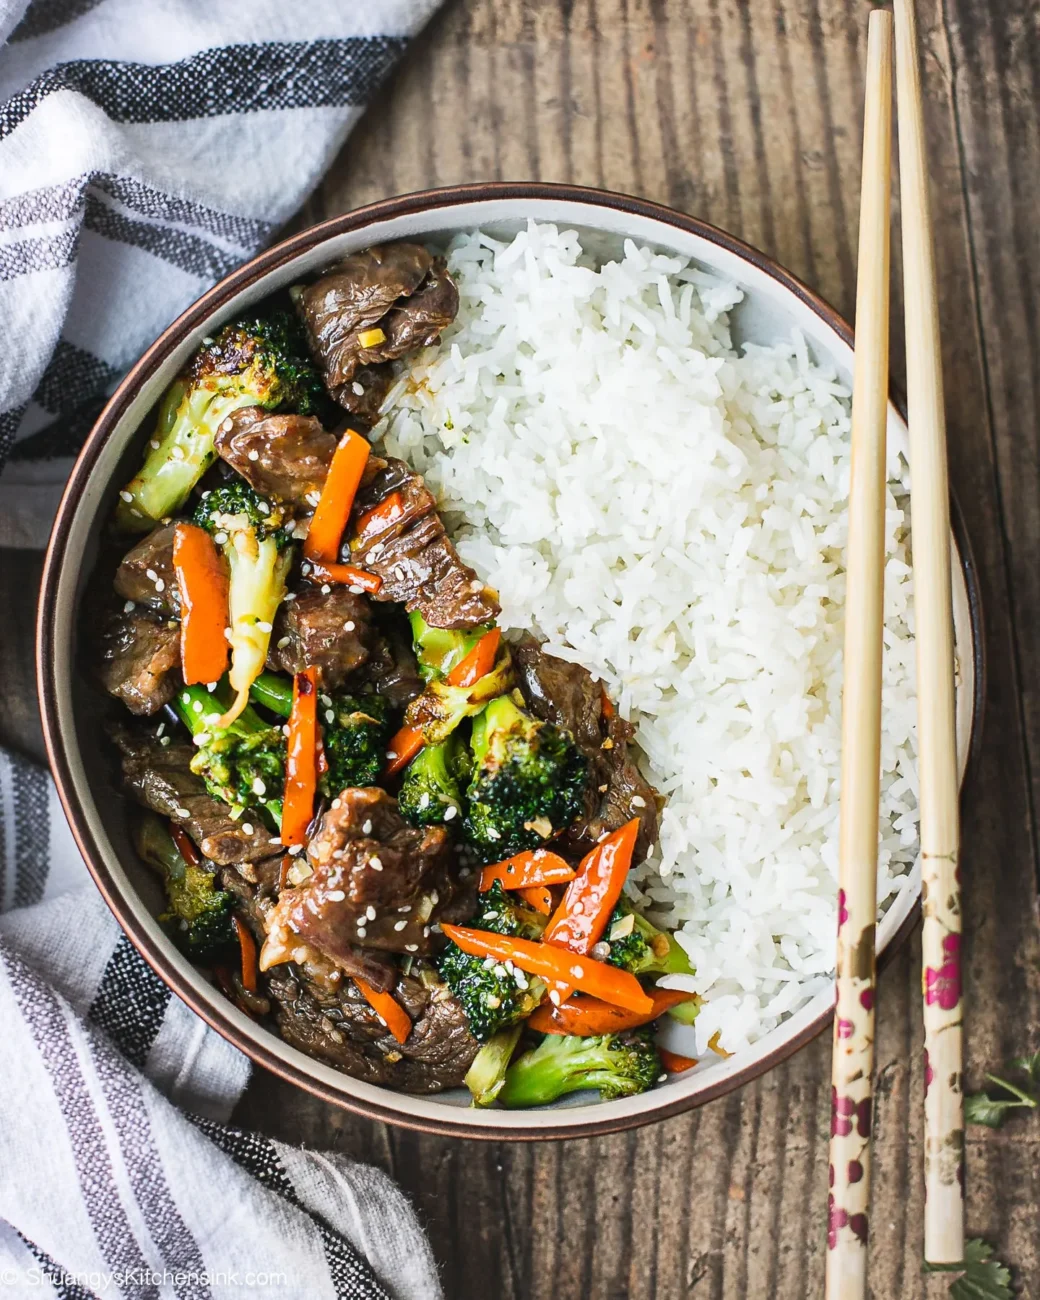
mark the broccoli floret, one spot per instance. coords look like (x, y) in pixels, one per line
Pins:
(440, 708)
(250, 531)
(528, 781)
(637, 945)
(199, 916)
(486, 1075)
(355, 740)
(252, 362)
(430, 795)
(619, 1065)
(491, 997)
(244, 763)
(439, 649)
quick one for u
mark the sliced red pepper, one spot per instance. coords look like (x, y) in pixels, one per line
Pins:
(587, 1017)
(247, 946)
(613, 985)
(185, 845)
(301, 765)
(590, 899)
(376, 521)
(539, 897)
(389, 1010)
(674, 1063)
(337, 498)
(478, 663)
(534, 867)
(346, 575)
(403, 747)
(202, 580)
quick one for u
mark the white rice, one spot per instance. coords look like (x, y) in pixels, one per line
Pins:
(672, 515)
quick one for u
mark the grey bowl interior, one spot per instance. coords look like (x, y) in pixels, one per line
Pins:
(774, 305)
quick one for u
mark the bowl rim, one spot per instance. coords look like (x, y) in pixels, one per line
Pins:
(47, 672)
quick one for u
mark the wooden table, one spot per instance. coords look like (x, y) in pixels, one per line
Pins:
(747, 113)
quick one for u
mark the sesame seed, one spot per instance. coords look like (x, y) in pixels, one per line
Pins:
(247, 828)
(348, 626)
(258, 786)
(366, 828)
(490, 916)
(450, 812)
(325, 588)
(282, 642)
(201, 739)
(165, 741)
(262, 625)
(337, 802)
(355, 591)
(160, 585)
(638, 801)
(254, 454)
(554, 997)
(356, 389)
(391, 753)
(227, 425)
(196, 706)
(263, 507)
(276, 839)
(289, 595)
(400, 571)
(493, 834)
(295, 848)
(160, 728)
(661, 1078)
(577, 972)
(135, 512)
(182, 812)
(426, 931)
(370, 558)
(154, 444)
(220, 538)
(361, 932)
(227, 634)
(211, 719)
(424, 801)
(177, 453)
(128, 607)
(375, 864)
(285, 729)
(400, 925)
(150, 574)
(126, 496)
(335, 895)
(411, 947)
(370, 912)
(406, 908)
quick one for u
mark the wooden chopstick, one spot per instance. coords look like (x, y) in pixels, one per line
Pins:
(936, 735)
(853, 1050)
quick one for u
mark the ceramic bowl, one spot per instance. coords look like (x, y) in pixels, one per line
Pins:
(775, 303)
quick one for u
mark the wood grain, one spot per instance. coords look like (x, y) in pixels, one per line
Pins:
(748, 113)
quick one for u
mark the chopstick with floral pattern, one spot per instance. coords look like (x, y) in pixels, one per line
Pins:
(936, 729)
(853, 1045)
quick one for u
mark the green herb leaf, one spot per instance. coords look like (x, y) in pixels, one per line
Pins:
(1029, 1065)
(982, 1277)
(1025, 1098)
(979, 1108)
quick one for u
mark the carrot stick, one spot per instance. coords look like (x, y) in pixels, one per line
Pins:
(479, 661)
(185, 845)
(202, 581)
(346, 575)
(535, 867)
(301, 767)
(337, 498)
(388, 1009)
(607, 982)
(587, 1017)
(247, 946)
(674, 1063)
(539, 897)
(590, 898)
(377, 520)
(403, 747)
(606, 703)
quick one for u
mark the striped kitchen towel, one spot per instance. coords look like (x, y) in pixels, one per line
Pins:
(146, 148)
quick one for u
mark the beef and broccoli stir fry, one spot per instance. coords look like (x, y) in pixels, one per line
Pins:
(390, 834)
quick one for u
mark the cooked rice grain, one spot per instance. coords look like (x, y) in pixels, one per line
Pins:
(671, 514)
